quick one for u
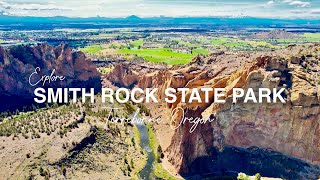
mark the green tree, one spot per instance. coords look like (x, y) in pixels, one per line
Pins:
(243, 176)
(257, 176)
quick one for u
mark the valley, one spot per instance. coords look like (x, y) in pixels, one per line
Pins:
(123, 127)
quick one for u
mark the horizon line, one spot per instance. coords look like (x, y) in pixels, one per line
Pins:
(163, 16)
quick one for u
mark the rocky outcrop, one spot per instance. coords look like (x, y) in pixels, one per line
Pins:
(290, 129)
(123, 76)
(17, 63)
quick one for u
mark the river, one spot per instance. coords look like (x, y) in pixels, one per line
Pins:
(146, 173)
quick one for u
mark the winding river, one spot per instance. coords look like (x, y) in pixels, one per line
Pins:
(146, 172)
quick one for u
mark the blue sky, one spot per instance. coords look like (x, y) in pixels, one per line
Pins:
(174, 8)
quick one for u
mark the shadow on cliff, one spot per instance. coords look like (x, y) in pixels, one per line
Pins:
(233, 160)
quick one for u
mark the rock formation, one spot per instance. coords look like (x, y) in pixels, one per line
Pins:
(291, 128)
(123, 76)
(17, 63)
(255, 135)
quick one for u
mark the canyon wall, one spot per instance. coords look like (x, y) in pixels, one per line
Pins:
(275, 139)
(17, 63)
(291, 128)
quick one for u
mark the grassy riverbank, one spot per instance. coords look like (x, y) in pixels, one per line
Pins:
(158, 169)
(139, 165)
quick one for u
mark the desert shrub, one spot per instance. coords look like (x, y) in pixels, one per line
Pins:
(160, 154)
(41, 171)
(132, 163)
(63, 170)
(243, 176)
(257, 176)
(125, 160)
(133, 142)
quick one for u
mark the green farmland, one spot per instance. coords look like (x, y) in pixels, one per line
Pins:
(159, 55)
(92, 48)
(183, 50)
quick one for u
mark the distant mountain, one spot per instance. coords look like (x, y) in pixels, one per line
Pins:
(27, 22)
(133, 17)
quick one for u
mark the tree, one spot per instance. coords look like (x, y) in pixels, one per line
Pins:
(243, 176)
(133, 142)
(160, 154)
(257, 176)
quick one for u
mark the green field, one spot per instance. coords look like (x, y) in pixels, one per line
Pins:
(159, 55)
(104, 35)
(137, 43)
(312, 35)
(238, 43)
(229, 42)
(181, 51)
(305, 38)
(200, 51)
(92, 48)
(219, 41)
(187, 44)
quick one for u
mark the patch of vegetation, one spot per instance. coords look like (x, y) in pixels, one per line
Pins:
(188, 44)
(257, 176)
(34, 123)
(158, 169)
(82, 155)
(44, 172)
(162, 173)
(159, 55)
(137, 44)
(138, 165)
(104, 70)
(312, 36)
(243, 176)
(92, 48)
(243, 45)
(200, 51)
(72, 125)
(219, 41)
(306, 38)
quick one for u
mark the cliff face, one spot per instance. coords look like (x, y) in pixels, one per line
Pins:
(291, 128)
(123, 76)
(274, 139)
(18, 62)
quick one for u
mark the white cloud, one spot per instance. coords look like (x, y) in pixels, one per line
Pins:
(270, 2)
(300, 3)
(31, 6)
(297, 3)
(148, 8)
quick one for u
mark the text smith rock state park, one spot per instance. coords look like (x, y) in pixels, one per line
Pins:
(138, 95)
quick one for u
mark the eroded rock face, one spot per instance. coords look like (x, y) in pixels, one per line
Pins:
(144, 74)
(123, 76)
(291, 129)
(18, 62)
